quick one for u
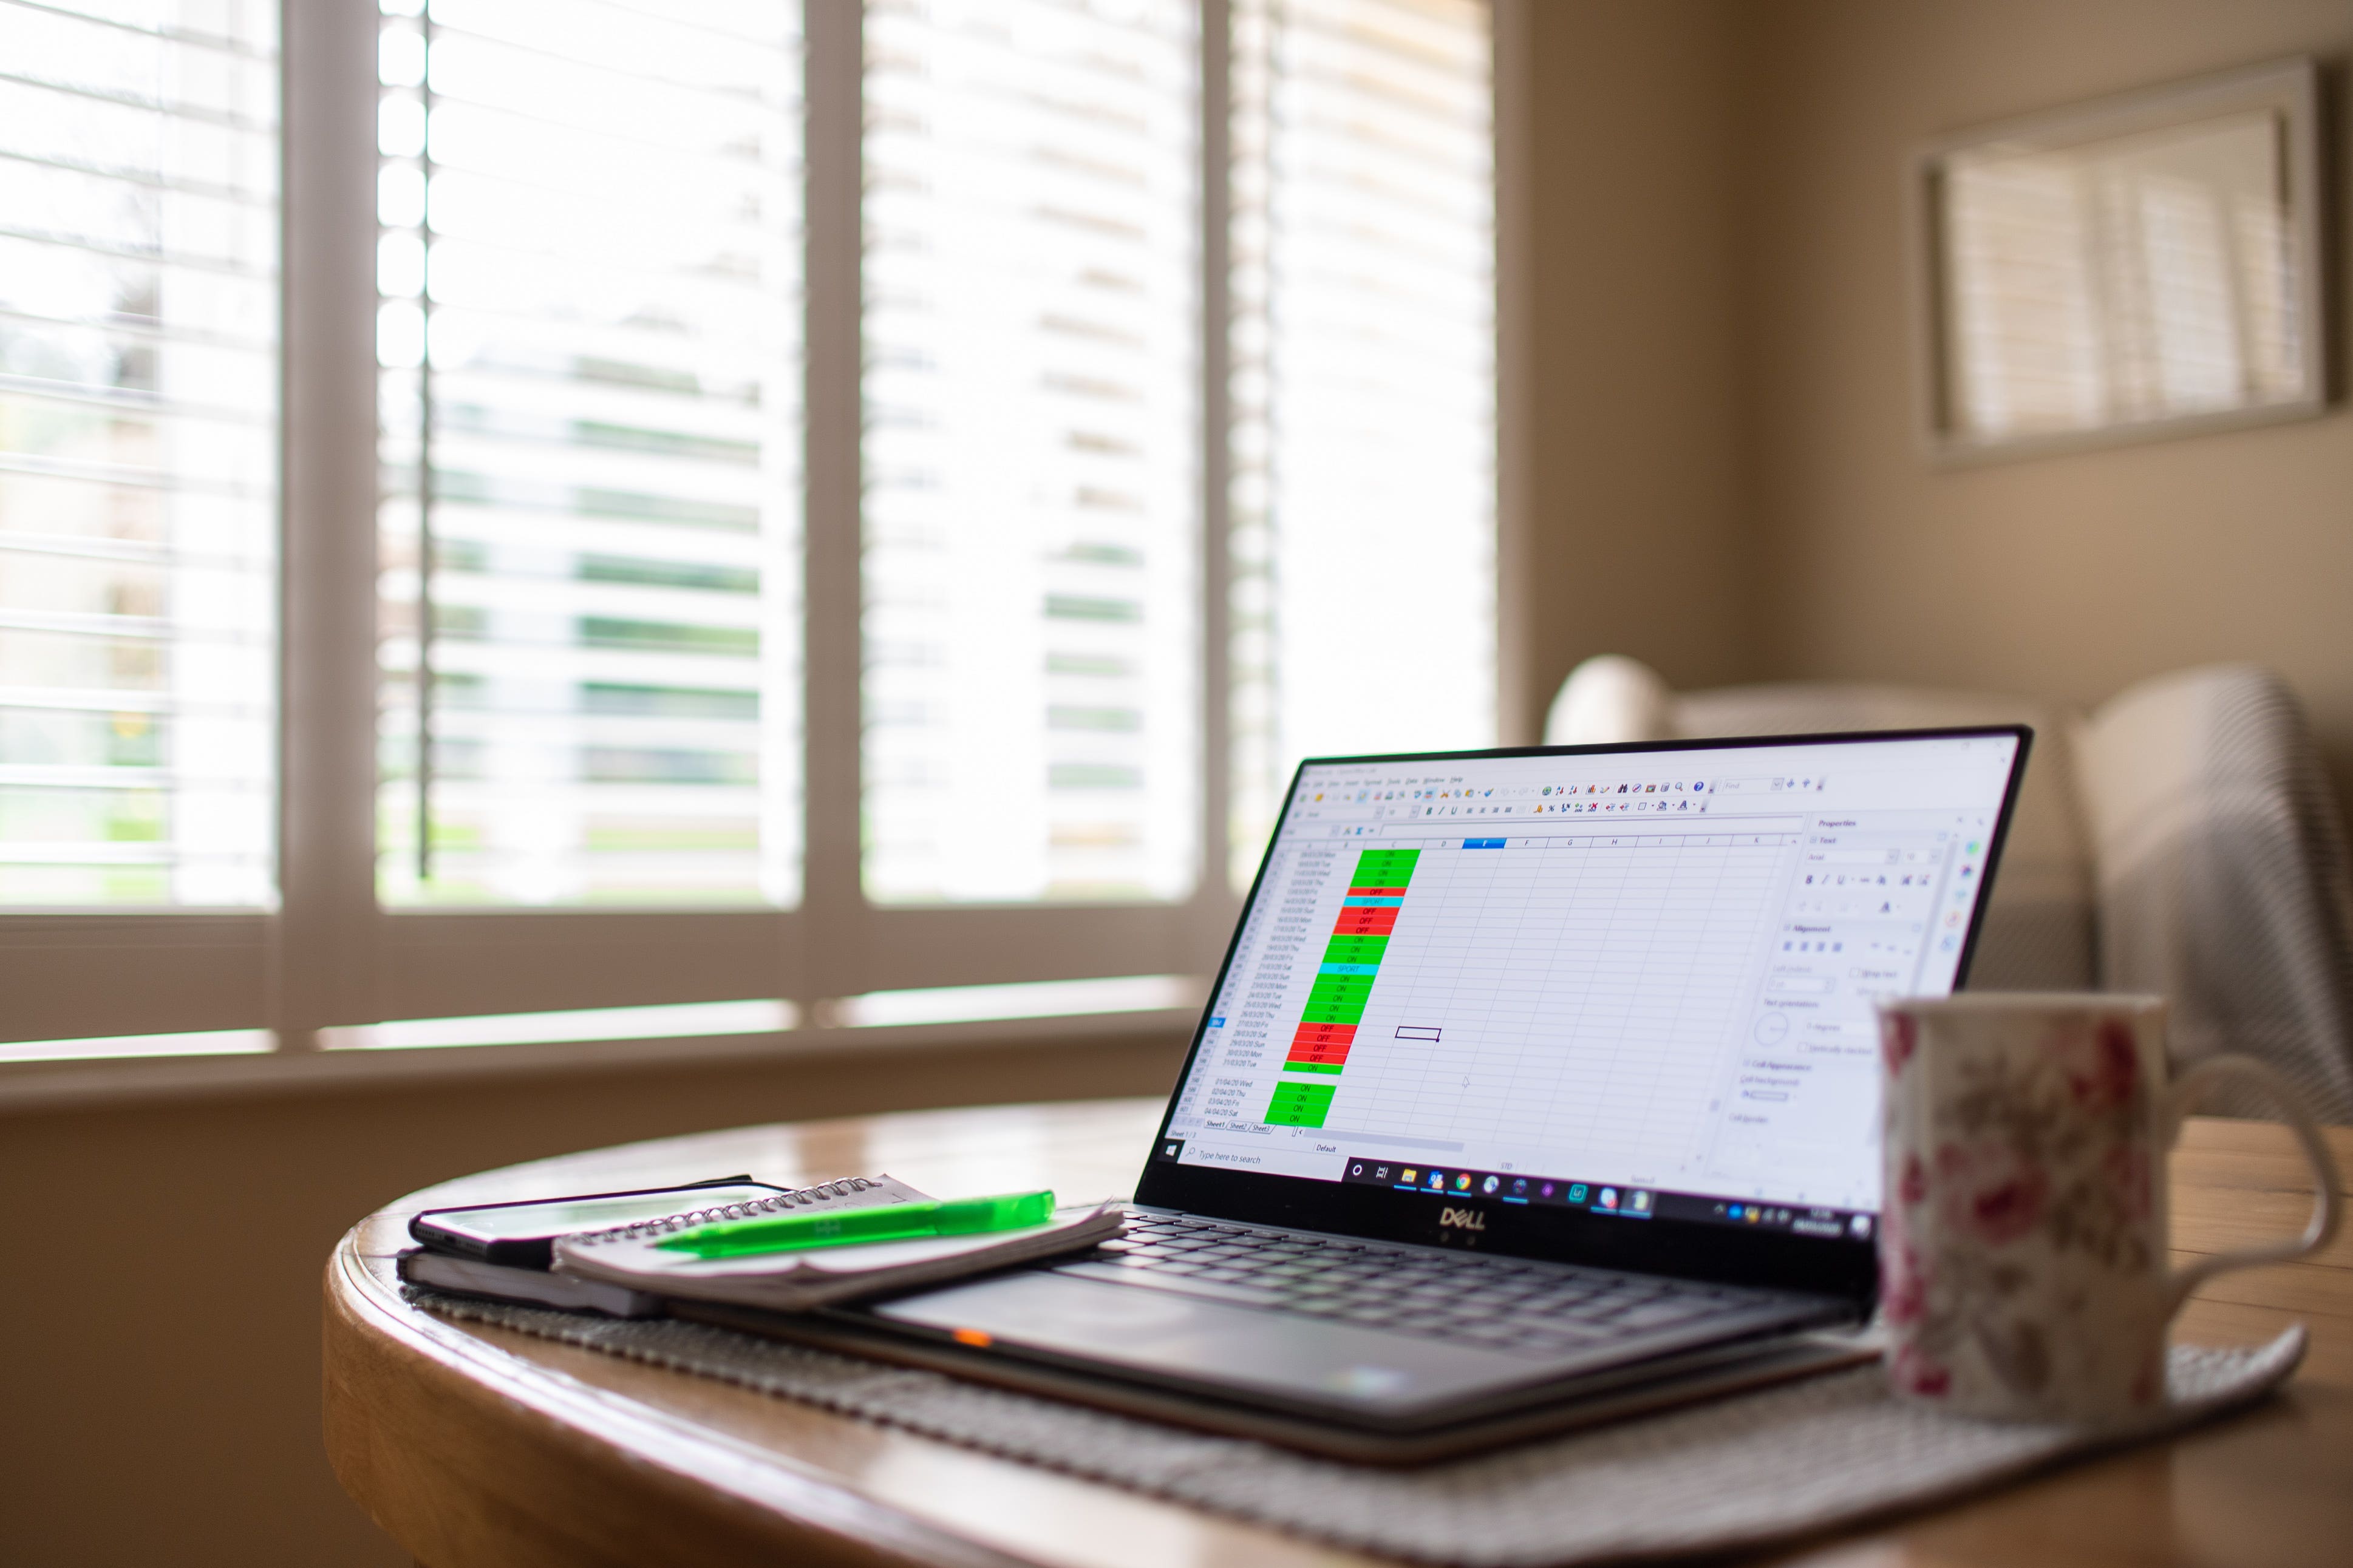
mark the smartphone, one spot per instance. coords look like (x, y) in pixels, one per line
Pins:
(523, 1236)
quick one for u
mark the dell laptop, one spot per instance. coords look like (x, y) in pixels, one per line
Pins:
(1534, 1081)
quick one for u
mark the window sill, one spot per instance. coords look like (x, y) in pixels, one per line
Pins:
(72, 1084)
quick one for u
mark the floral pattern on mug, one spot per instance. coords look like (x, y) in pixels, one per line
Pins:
(1990, 1189)
(1899, 1037)
(2016, 1184)
(2101, 1064)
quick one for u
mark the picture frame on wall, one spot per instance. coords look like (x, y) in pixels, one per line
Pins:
(2141, 266)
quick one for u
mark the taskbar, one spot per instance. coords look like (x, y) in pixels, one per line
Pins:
(1611, 1199)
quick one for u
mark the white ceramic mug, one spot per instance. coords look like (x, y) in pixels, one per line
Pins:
(2023, 1240)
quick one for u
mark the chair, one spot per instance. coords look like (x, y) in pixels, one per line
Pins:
(2180, 839)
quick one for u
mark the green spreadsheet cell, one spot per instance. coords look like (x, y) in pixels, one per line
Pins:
(1355, 949)
(1324, 995)
(1299, 1104)
(1388, 860)
(1332, 1067)
(1354, 1006)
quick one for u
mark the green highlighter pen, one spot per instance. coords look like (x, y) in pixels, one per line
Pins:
(839, 1228)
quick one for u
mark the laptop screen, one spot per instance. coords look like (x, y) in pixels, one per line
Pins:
(1631, 983)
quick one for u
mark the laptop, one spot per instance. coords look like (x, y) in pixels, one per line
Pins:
(1537, 1085)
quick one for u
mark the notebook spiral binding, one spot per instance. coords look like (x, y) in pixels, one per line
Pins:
(642, 1228)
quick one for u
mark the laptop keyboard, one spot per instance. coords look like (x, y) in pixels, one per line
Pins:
(1516, 1305)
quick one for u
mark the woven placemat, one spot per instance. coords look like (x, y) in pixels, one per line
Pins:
(1738, 1472)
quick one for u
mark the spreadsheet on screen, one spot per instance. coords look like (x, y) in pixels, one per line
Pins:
(1652, 969)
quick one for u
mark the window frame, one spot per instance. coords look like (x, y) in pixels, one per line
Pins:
(330, 956)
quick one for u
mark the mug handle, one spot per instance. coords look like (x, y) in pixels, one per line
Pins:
(2318, 1231)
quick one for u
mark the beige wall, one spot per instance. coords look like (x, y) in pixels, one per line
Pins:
(2068, 575)
(160, 1273)
(1635, 523)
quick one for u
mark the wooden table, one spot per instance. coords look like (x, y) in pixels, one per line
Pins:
(475, 1446)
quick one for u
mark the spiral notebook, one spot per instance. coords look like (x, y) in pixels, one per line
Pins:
(632, 1257)
(622, 1271)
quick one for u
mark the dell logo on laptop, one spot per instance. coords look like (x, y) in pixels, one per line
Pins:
(1460, 1219)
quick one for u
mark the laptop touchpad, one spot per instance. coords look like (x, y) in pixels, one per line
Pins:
(1158, 1332)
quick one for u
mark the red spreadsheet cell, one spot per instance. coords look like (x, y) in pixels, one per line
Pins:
(1320, 1055)
(1324, 1034)
(1364, 923)
(1377, 892)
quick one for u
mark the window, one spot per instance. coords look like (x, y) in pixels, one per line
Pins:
(138, 454)
(1032, 436)
(869, 501)
(591, 415)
